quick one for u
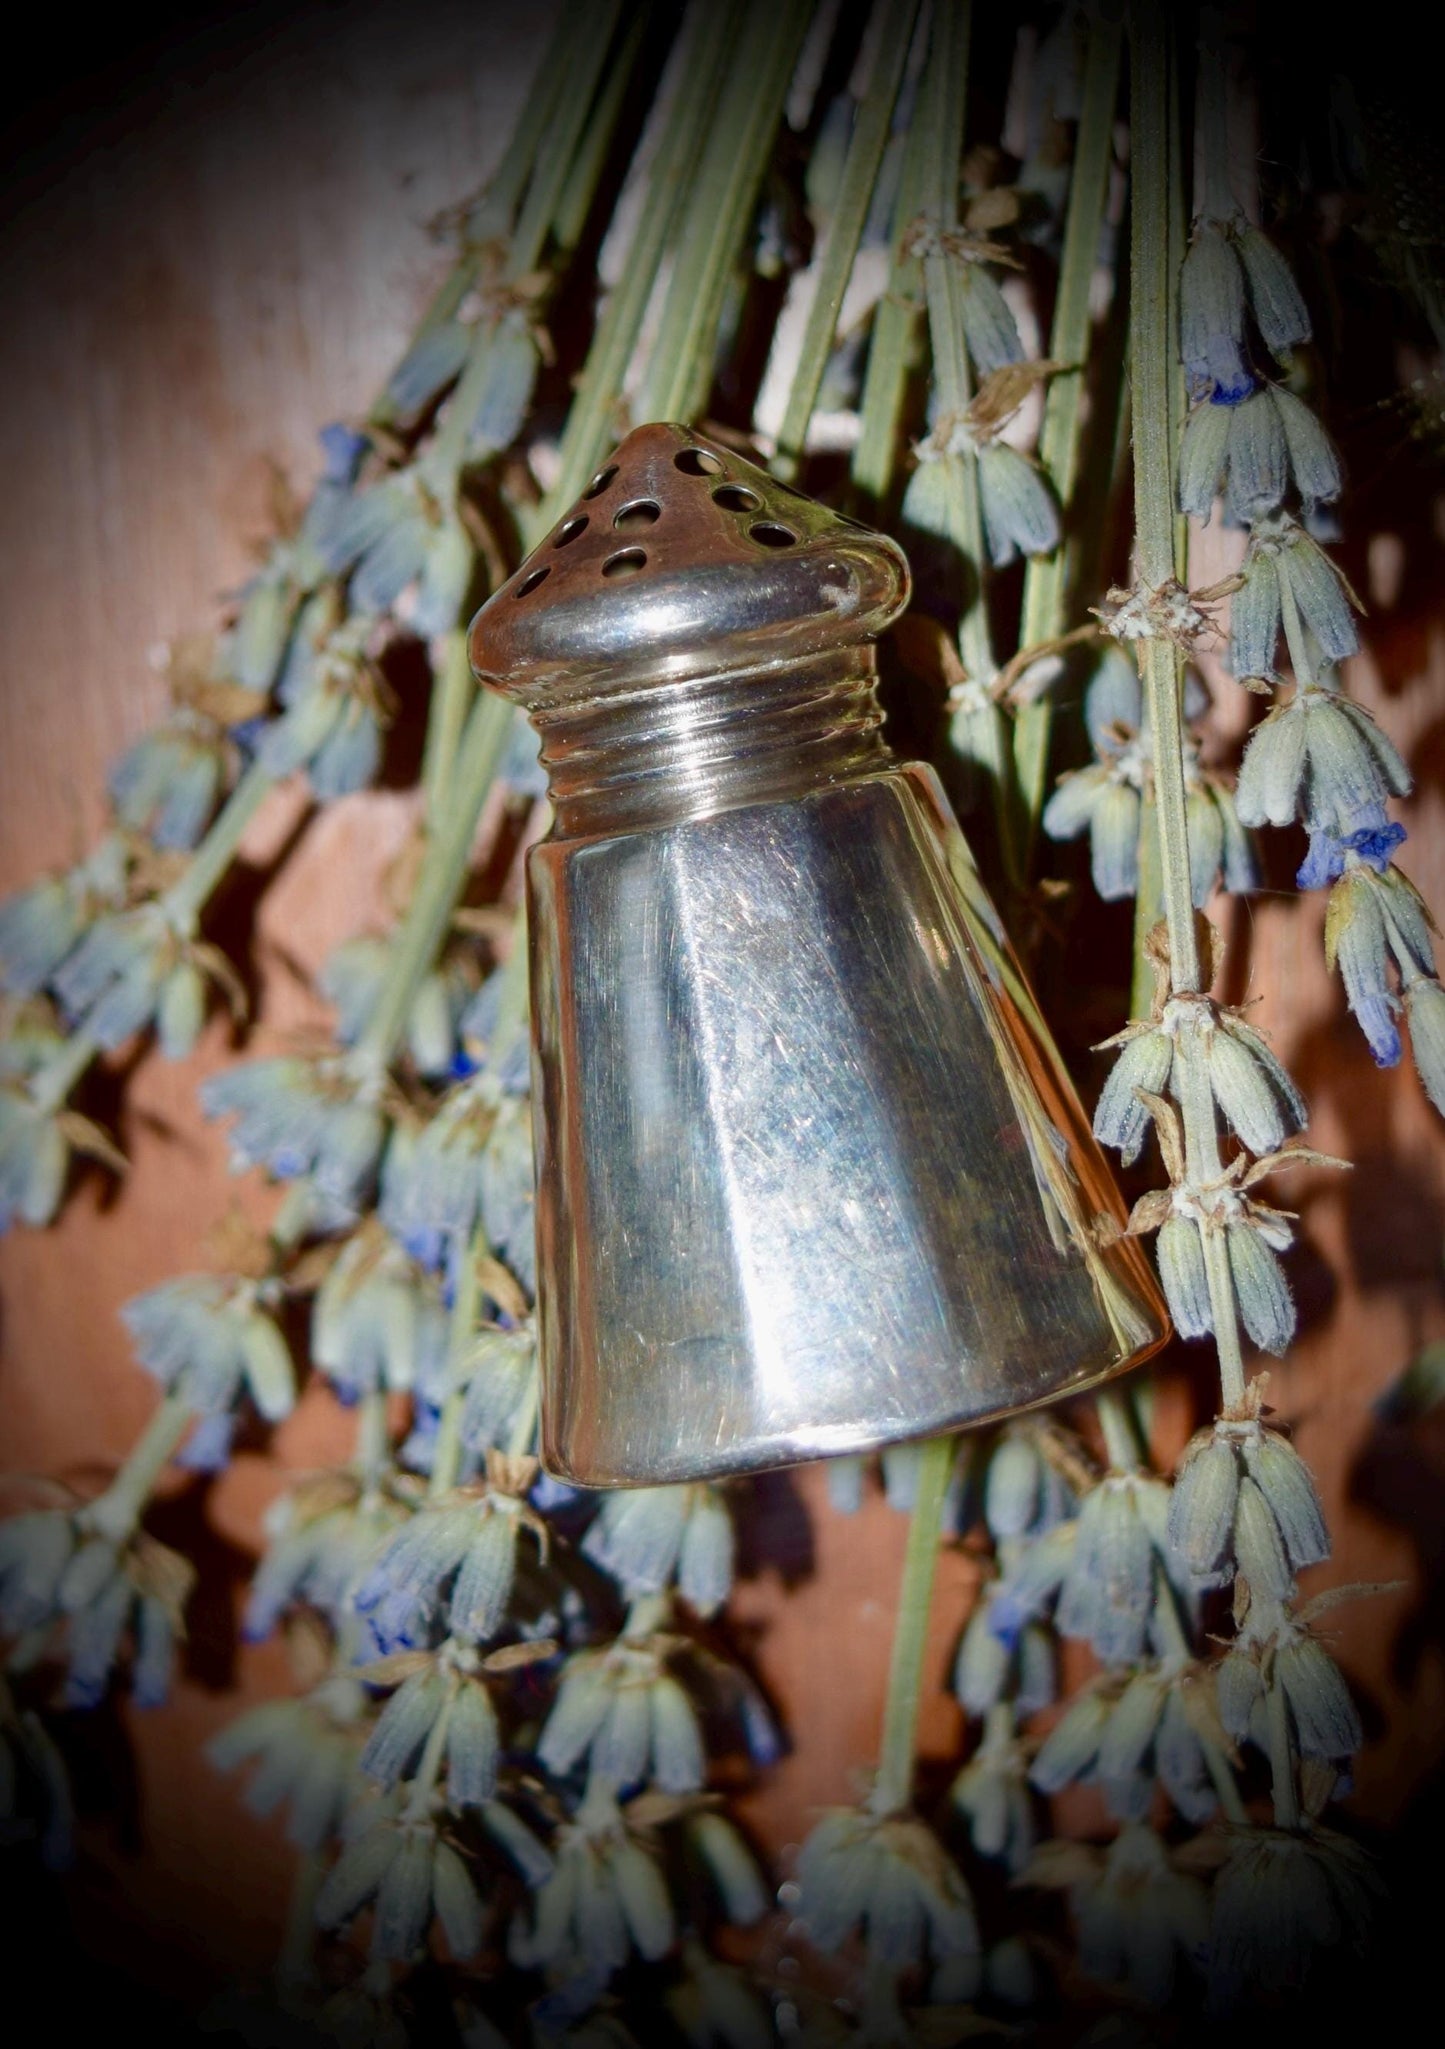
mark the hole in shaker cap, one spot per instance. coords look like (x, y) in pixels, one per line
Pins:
(569, 530)
(600, 482)
(641, 512)
(737, 498)
(772, 536)
(626, 562)
(696, 462)
(530, 583)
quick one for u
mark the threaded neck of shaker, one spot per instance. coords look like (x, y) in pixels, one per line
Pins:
(660, 754)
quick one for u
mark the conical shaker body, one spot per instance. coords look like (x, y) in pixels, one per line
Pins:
(811, 1177)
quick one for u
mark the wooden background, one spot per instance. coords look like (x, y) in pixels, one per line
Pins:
(227, 266)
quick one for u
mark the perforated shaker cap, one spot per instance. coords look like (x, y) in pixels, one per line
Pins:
(682, 559)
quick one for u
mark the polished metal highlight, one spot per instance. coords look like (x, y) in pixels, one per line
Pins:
(811, 1177)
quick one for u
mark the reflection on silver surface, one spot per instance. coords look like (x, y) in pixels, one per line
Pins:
(811, 1177)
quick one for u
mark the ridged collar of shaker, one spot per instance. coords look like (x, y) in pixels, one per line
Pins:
(680, 560)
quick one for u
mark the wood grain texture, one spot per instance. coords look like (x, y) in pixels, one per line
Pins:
(180, 311)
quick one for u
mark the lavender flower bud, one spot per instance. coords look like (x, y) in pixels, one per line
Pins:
(403, 1726)
(679, 1764)
(1138, 1916)
(1320, 593)
(504, 1373)
(1202, 456)
(1256, 1095)
(1323, 757)
(1327, 1724)
(253, 648)
(733, 1867)
(1256, 459)
(1202, 1504)
(511, 377)
(1266, 1306)
(1239, 1691)
(166, 785)
(113, 978)
(180, 1011)
(1127, 1738)
(1019, 513)
(989, 328)
(1425, 1014)
(35, 1550)
(1356, 942)
(1288, 1485)
(1109, 1592)
(643, 1897)
(1254, 619)
(578, 1712)
(1273, 769)
(1180, 1763)
(203, 1336)
(1313, 459)
(1114, 842)
(353, 1879)
(300, 1117)
(473, 1746)
(981, 1670)
(348, 755)
(455, 1900)
(404, 1897)
(432, 362)
(97, 1623)
(1211, 312)
(622, 1745)
(1036, 1678)
(1280, 1901)
(38, 928)
(1274, 296)
(304, 1756)
(1011, 1490)
(1258, 1548)
(483, 1587)
(1180, 1255)
(1120, 1119)
(1068, 1752)
(34, 1161)
(1073, 803)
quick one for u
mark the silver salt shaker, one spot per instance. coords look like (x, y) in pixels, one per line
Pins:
(811, 1177)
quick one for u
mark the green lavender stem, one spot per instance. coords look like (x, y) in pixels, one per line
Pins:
(428, 1771)
(184, 901)
(1048, 577)
(893, 1788)
(422, 930)
(895, 326)
(591, 422)
(452, 697)
(981, 735)
(115, 1513)
(53, 1083)
(734, 159)
(894, 29)
(1152, 330)
(1120, 1440)
(1147, 907)
(580, 188)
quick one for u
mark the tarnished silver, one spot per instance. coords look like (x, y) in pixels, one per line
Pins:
(811, 1177)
